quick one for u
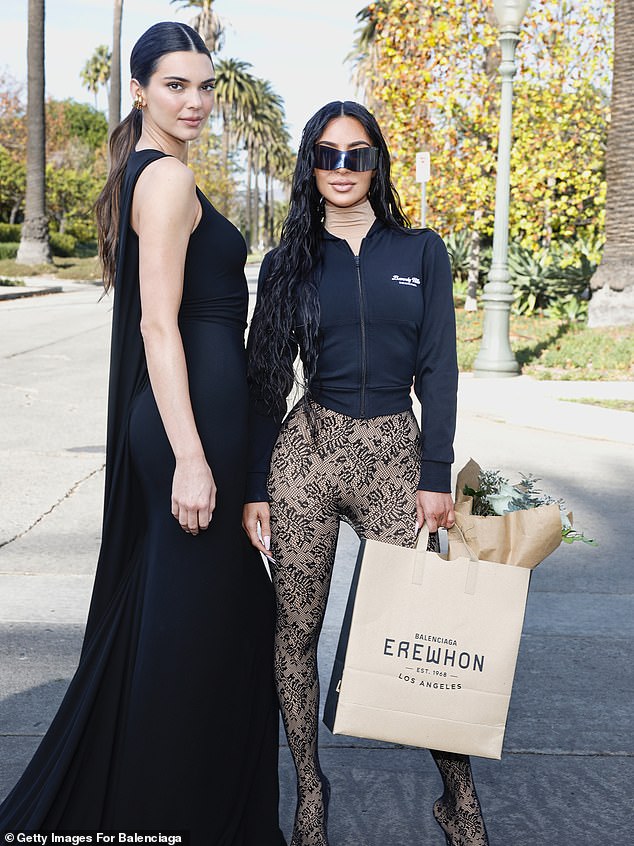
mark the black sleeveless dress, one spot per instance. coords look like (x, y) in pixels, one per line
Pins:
(171, 719)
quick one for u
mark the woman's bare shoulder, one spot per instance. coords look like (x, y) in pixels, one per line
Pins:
(165, 196)
(166, 179)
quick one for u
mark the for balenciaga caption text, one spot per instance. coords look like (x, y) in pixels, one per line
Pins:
(107, 838)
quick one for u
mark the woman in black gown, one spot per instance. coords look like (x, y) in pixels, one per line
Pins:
(171, 720)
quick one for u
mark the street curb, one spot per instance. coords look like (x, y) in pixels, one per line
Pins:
(19, 293)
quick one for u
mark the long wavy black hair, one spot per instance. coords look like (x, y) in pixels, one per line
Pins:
(287, 312)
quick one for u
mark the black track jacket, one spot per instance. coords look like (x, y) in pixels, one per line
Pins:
(386, 319)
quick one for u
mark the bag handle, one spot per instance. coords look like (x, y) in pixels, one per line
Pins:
(472, 569)
(421, 553)
(422, 541)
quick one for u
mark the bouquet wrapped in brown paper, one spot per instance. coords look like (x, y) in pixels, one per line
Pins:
(522, 533)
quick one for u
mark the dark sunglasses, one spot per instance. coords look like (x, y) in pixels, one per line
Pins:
(362, 158)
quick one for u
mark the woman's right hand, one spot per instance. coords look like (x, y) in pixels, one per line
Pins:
(193, 494)
(255, 513)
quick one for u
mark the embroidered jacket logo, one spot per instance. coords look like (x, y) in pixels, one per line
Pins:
(406, 280)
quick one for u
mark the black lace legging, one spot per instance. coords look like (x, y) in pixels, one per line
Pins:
(364, 472)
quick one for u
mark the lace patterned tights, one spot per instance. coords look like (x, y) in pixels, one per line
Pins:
(458, 810)
(365, 472)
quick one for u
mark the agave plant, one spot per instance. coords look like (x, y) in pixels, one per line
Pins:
(570, 309)
(458, 244)
(554, 280)
(530, 279)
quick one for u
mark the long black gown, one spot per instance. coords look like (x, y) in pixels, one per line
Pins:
(171, 720)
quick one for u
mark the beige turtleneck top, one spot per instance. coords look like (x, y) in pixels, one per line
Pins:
(351, 223)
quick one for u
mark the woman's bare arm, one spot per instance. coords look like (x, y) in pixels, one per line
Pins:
(165, 211)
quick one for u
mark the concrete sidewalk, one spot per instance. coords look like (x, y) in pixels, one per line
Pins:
(567, 768)
(37, 286)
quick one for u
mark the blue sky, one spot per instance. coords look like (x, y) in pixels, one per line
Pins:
(299, 45)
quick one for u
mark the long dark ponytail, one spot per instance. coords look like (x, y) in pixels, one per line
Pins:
(288, 300)
(156, 42)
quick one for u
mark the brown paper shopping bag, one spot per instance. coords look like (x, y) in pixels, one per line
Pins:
(428, 649)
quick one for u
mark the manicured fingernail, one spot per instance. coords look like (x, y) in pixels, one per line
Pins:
(267, 542)
(416, 528)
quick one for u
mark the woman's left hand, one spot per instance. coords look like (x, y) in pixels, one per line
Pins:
(256, 514)
(435, 509)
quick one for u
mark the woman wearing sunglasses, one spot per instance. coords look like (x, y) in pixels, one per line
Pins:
(367, 303)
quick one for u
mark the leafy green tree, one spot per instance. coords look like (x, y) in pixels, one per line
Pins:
(434, 86)
(12, 186)
(76, 135)
(76, 170)
(68, 120)
(12, 147)
(12, 117)
(215, 175)
(70, 197)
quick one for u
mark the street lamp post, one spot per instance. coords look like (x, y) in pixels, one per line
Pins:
(495, 357)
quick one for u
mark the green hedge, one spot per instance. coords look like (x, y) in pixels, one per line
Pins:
(8, 250)
(63, 246)
(10, 232)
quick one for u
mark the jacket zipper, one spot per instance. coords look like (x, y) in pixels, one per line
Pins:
(357, 261)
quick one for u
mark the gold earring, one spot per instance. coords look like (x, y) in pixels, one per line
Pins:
(138, 103)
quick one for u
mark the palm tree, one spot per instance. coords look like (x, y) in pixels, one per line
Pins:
(278, 166)
(207, 22)
(114, 95)
(260, 127)
(236, 96)
(96, 71)
(363, 54)
(612, 302)
(34, 242)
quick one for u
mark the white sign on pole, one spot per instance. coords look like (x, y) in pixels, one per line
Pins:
(423, 167)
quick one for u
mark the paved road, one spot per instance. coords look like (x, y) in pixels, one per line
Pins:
(567, 771)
